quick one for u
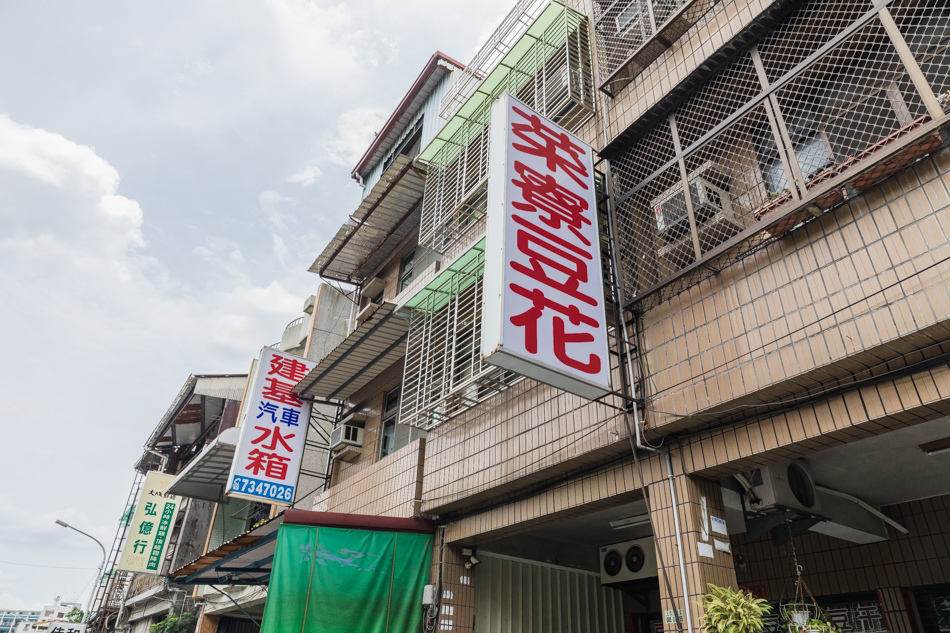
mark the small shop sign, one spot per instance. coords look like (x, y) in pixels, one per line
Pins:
(151, 526)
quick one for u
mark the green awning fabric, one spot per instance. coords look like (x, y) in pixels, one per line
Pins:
(338, 580)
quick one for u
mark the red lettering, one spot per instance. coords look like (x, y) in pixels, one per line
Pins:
(554, 146)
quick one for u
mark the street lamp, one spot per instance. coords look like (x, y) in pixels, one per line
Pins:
(85, 617)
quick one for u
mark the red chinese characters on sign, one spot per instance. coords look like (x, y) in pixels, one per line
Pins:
(279, 405)
(557, 258)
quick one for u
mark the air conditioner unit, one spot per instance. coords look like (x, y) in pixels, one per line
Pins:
(787, 486)
(346, 441)
(366, 312)
(672, 218)
(629, 560)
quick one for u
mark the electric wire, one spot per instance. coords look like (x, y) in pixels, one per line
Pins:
(10, 562)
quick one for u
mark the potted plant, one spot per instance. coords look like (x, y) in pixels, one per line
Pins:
(731, 611)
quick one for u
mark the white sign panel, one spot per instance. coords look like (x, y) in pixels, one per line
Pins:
(66, 627)
(544, 314)
(151, 526)
(267, 460)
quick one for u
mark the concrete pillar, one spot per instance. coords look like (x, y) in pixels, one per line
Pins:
(699, 567)
(458, 588)
(207, 623)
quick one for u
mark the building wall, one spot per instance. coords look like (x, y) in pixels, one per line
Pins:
(831, 566)
(389, 487)
(856, 292)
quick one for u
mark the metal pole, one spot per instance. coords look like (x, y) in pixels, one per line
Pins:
(102, 566)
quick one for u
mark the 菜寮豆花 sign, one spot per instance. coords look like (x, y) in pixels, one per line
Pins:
(543, 308)
(273, 433)
(150, 530)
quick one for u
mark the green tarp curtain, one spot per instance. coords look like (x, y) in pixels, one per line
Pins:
(336, 580)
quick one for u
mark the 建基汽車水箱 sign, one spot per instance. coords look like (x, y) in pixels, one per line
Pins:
(274, 431)
(151, 526)
(544, 314)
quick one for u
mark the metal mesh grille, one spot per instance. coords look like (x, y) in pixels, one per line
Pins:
(444, 370)
(822, 109)
(926, 29)
(630, 34)
(555, 78)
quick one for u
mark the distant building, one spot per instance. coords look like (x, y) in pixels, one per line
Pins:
(11, 618)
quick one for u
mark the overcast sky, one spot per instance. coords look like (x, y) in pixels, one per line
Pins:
(168, 171)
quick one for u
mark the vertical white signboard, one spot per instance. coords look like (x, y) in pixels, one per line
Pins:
(544, 314)
(151, 527)
(267, 460)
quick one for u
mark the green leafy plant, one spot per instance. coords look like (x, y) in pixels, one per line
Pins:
(75, 615)
(731, 611)
(172, 624)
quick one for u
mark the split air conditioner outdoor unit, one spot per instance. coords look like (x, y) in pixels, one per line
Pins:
(629, 560)
(346, 441)
(787, 486)
(672, 217)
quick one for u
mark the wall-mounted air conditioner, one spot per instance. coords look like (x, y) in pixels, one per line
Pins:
(672, 218)
(786, 486)
(366, 312)
(630, 560)
(346, 441)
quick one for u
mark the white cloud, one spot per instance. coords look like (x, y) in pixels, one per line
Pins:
(306, 176)
(354, 132)
(59, 197)
(102, 336)
(323, 43)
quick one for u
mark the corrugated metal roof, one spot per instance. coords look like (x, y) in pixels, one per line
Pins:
(225, 387)
(383, 220)
(206, 475)
(372, 347)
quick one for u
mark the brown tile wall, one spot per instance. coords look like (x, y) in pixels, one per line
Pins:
(859, 291)
(389, 487)
(832, 566)
(699, 570)
(720, 453)
(457, 610)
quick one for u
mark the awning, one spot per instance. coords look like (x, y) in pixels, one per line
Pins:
(453, 278)
(385, 217)
(248, 559)
(244, 560)
(373, 346)
(206, 476)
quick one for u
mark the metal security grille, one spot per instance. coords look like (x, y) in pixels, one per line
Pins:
(553, 76)
(444, 372)
(630, 34)
(833, 100)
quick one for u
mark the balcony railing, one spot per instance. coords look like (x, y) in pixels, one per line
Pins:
(630, 34)
(549, 69)
(445, 373)
(836, 98)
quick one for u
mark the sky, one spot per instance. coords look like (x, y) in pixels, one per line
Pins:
(168, 172)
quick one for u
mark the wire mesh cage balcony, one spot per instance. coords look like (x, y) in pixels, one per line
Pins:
(549, 69)
(631, 34)
(828, 104)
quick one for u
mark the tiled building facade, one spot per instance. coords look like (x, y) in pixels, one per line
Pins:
(775, 210)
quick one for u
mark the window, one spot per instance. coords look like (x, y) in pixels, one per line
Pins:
(812, 154)
(407, 269)
(627, 17)
(392, 435)
(387, 435)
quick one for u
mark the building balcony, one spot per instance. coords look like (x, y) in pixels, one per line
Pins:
(830, 103)
(549, 69)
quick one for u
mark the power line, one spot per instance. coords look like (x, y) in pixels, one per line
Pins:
(10, 562)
